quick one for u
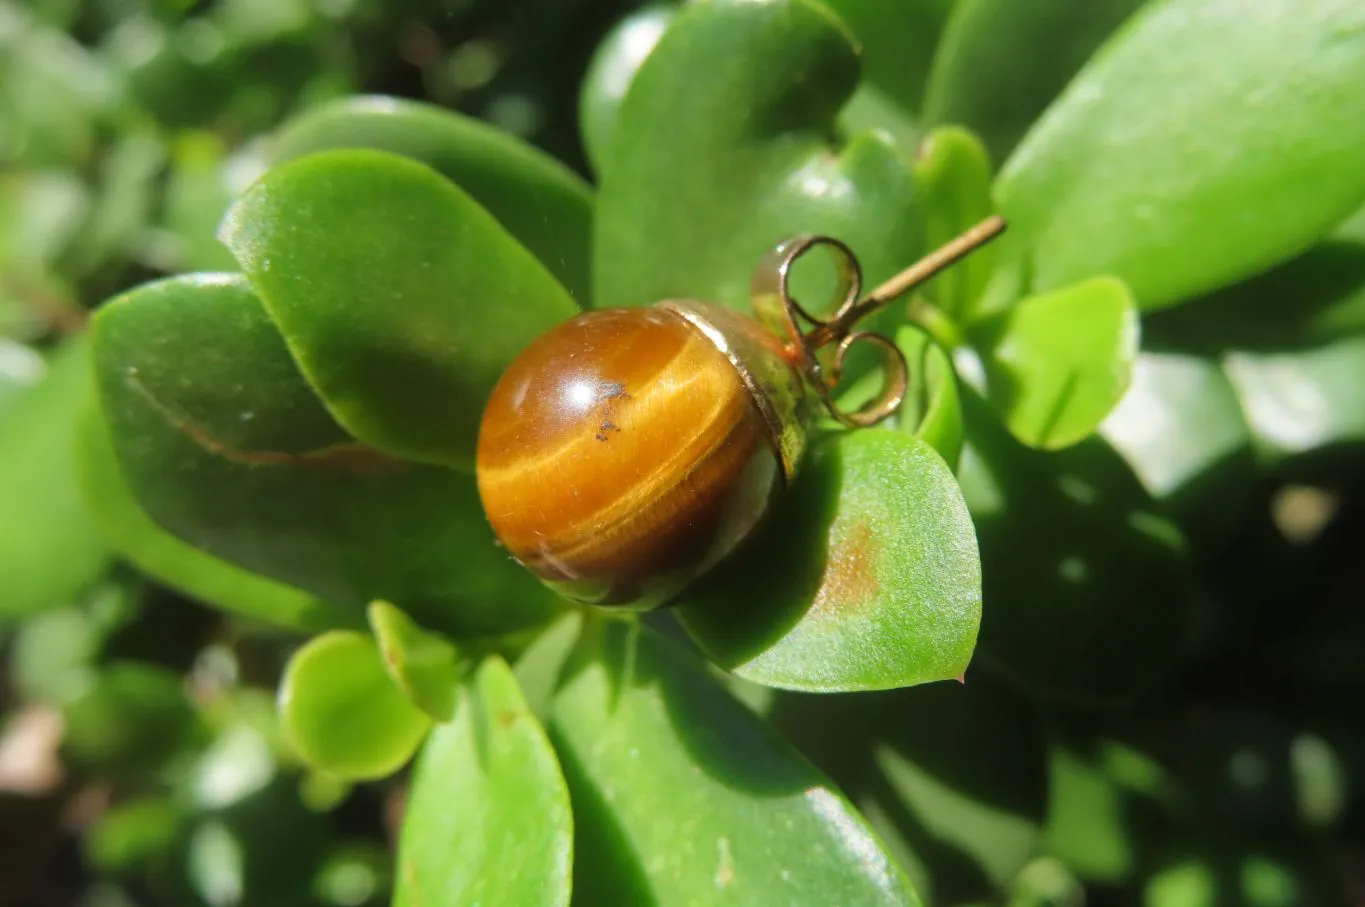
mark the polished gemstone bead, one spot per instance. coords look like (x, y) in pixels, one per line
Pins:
(623, 453)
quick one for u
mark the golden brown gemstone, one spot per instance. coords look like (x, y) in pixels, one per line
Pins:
(622, 454)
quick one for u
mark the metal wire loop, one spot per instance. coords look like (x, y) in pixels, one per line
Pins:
(785, 316)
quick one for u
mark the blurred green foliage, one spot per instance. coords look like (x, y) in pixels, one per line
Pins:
(1149, 399)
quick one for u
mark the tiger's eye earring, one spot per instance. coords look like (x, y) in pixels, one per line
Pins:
(627, 451)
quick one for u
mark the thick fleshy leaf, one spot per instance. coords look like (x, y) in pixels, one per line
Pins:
(224, 445)
(539, 666)
(343, 714)
(400, 297)
(618, 57)
(898, 40)
(1056, 364)
(1093, 610)
(425, 666)
(958, 787)
(867, 576)
(537, 199)
(1146, 165)
(951, 776)
(991, 75)
(624, 50)
(1302, 401)
(1317, 297)
(177, 564)
(870, 109)
(706, 175)
(1290, 342)
(488, 819)
(650, 745)
(49, 550)
(930, 411)
(955, 172)
(1184, 435)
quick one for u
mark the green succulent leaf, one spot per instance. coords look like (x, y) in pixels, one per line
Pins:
(1147, 163)
(1316, 298)
(1302, 401)
(614, 64)
(650, 744)
(953, 168)
(1290, 343)
(488, 819)
(177, 564)
(705, 176)
(930, 411)
(49, 550)
(1057, 363)
(343, 714)
(1181, 429)
(1093, 610)
(991, 73)
(962, 814)
(537, 199)
(898, 41)
(226, 446)
(870, 110)
(867, 576)
(425, 666)
(400, 297)
(541, 663)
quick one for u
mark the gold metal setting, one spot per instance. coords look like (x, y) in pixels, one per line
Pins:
(762, 364)
(781, 313)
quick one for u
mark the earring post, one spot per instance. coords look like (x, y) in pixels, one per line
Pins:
(945, 256)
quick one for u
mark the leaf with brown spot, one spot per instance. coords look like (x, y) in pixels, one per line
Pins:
(202, 352)
(866, 577)
(342, 457)
(850, 578)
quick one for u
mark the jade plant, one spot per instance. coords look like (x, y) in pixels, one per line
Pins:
(898, 690)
